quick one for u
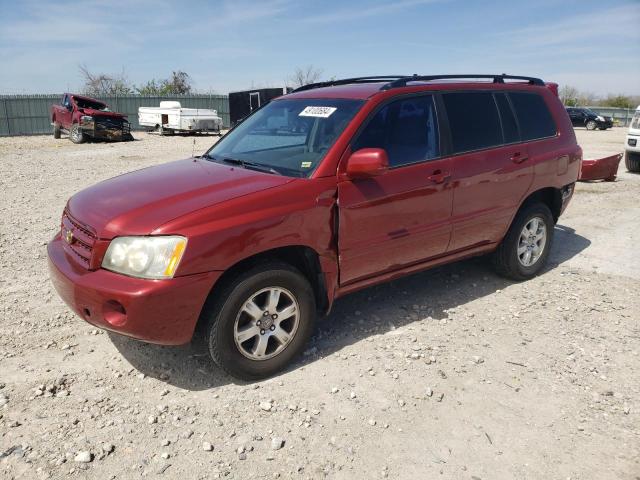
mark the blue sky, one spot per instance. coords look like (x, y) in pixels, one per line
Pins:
(232, 45)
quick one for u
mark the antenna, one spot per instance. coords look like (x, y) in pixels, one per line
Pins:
(193, 148)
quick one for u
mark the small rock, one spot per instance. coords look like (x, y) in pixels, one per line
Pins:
(335, 390)
(277, 443)
(242, 456)
(108, 448)
(478, 360)
(207, 447)
(151, 419)
(429, 392)
(165, 455)
(371, 422)
(83, 457)
(266, 406)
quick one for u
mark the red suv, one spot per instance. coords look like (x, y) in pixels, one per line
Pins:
(332, 188)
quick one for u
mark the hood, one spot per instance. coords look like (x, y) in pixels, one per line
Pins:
(101, 113)
(139, 202)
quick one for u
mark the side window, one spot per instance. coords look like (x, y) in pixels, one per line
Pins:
(473, 121)
(509, 123)
(534, 117)
(65, 100)
(407, 129)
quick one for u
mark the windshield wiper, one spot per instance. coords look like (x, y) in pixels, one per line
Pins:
(250, 165)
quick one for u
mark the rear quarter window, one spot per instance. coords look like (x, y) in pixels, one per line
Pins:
(534, 117)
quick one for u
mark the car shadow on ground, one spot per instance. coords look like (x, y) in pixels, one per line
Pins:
(355, 317)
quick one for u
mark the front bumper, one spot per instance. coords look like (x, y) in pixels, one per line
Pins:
(606, 124)
(632, 143)
(106, 128)
(155, 311)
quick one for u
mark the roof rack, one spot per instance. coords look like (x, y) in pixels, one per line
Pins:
(402, 82)
(346, 81)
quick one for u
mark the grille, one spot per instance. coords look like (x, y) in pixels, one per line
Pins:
(79, 242)
(112, 125)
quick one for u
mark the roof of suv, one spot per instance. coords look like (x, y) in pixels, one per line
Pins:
(364, 87)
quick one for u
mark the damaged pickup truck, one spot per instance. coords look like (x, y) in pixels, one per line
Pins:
(85, 117)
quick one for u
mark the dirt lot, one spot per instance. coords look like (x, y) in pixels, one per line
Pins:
(454, 373)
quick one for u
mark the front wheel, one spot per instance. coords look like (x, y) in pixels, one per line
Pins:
(76, 134)
(525, 248)
(591, 125)
(632, 161)
(260, 320)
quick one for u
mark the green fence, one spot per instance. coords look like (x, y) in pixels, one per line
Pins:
(29, 114)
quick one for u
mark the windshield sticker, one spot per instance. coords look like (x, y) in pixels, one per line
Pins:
(320, 112)
(305, 165)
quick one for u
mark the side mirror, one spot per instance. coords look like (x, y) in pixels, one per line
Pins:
(367, 163)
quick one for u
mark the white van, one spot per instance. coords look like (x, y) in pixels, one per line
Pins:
(632, 144)
(170, 117)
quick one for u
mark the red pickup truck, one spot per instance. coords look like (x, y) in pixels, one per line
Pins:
(85, 117)
(321, 192)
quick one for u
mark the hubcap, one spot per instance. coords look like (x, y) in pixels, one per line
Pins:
(532, 241)
(267, 323)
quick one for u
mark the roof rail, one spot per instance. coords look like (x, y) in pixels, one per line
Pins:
(402, 82)
(346, 81)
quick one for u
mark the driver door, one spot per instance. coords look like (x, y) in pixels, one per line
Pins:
(402, 217)
(66, 112)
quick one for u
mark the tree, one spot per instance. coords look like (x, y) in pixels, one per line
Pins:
(619, 101)
(569, 95)
(103, 84)
(178, 84)
(305, 75)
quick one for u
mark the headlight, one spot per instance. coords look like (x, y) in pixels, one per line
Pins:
(600, 118)
(145, 257)
(86, 118)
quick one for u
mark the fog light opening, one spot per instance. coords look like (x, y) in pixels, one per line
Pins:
(115, 313)
(87, 312)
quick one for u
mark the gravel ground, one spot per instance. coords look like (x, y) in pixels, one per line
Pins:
(453, 373)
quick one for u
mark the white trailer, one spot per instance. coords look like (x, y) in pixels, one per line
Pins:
(170, 117)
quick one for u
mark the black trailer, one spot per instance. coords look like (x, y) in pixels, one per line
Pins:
(243, 103)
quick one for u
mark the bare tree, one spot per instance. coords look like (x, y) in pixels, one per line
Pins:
(569, 95)
(305, 75)
(96, 84)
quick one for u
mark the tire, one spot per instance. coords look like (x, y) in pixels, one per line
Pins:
(506, 258)
(56, 130)
(225, 315)
(128, 138)
(632, 161)
(591, 125)
(76, 135)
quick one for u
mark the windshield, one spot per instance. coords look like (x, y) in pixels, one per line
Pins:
(290, 136)
(85, 103)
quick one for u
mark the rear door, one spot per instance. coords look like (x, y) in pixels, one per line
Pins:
(491, 167)
(403, 216)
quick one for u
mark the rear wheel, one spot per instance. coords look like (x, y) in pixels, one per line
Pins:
(260, 320)
(591, 125)
(56, 130)
(524, 250)
(76, 135)
(632, 161)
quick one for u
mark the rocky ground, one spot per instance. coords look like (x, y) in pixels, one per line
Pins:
(454, 373)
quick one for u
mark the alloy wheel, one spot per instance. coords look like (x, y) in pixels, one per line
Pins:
(532, 241)
(266, 323)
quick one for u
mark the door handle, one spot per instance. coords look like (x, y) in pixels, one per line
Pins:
(518, 157)
(439, 176)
